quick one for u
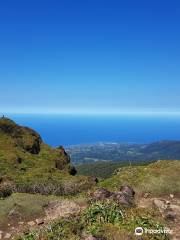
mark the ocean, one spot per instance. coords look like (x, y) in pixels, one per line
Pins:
(69, 130)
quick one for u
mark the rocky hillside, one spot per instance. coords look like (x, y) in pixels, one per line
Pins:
(113, 209)
(23, 138)
(23, 150)
(41, 199)
(27, 164)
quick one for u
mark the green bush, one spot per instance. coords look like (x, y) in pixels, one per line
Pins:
(103, 213)
(5, 191)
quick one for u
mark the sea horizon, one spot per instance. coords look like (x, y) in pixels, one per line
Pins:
(68, 130)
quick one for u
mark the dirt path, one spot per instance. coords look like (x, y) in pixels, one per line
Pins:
(52, 211)
(169, 208)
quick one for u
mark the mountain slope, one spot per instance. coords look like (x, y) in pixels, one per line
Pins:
(156, 206)
(69, 207)
(27, 164)
(158, 178)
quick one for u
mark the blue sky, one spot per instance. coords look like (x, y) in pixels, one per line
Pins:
(90, 56)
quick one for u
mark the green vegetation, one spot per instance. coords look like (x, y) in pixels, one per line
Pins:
(29, 165)
(98, 169)
(25, 207)
(103, 169)
(21, 204)
(103, 213)
(34, 177)
(101, 220)
(121, 152)
(159, 178)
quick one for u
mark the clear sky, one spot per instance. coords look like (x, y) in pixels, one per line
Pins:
(89, 56)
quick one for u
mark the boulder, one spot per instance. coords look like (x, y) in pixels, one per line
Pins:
(127, 190)
(122, 199)
(170, 212)
(101, 194)
(125, 196)
(169, 215)
(64, 208)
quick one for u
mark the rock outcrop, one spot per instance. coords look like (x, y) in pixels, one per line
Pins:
(125, 195)
(64, 208)
(63, 160)
(169, 209)
(100, 195)
(30, 165)
(23, 137)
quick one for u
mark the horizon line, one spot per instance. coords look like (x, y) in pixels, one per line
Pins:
(99, 113)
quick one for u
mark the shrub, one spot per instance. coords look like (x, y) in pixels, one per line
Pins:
(103, 213)
(5, 191)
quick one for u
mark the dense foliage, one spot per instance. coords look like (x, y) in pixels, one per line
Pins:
(103, 169)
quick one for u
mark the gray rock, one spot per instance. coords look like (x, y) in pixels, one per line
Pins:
(63, 208)
(168, 211)
(123, 199)
(125, 196)
(127, 190)
(170, 215)
(101, 194)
